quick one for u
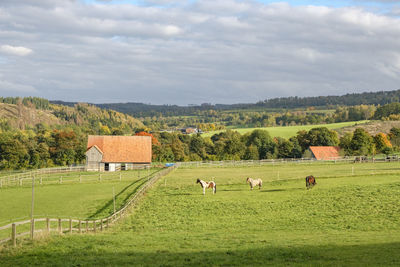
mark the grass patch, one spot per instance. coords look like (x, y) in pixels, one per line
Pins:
(289, 131)
(345, 220)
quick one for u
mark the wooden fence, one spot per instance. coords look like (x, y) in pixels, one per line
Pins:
(60, 175)
(239, 163)
(78, 225)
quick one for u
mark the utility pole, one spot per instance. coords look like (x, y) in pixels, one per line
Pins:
(114, 198)
(32, 206)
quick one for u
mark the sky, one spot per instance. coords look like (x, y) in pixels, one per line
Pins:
(197, 51)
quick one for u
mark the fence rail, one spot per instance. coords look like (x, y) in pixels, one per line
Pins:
(63, 175)
(79, 225)
(238, 163)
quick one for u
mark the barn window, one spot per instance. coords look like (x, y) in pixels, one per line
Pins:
(106, 166)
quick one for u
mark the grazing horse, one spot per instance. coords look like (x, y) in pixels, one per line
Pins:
(205, 185)
(310, 181)
(254, 183)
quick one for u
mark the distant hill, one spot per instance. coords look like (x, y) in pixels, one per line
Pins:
(20, 116)
(28, 112)
(367, 98)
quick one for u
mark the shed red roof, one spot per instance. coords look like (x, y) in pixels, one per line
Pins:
(325, 152)
(122, 149)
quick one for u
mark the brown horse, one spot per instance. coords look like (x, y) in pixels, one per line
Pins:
(310, 181)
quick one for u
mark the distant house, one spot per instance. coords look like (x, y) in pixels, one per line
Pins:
(111, 153)
(325, 152)
(189, 130)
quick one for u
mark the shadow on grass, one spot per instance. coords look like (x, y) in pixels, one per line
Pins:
(179, 194)
(231, 190)
(274, 190)
(93, 254)
(109, 204)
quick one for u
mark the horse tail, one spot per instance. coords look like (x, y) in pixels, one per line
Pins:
(215, 186)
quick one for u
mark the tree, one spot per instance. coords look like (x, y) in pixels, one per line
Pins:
(394, 136)
(296, 150)
(284, 147)
(322, 136)
(362, 143)
(345, 143)
(197, 146)
(382, 143)
(264, 143)
(251, 153)
(13, 153)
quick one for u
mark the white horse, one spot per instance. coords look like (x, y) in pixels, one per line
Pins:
(205, 185)
(254, 183)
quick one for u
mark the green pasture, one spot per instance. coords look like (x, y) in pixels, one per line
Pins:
(350, 218)
(79, 196)
(289, 131)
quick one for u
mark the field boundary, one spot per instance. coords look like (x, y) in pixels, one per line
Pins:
(238, 163)
(19, 179)
(80, 225)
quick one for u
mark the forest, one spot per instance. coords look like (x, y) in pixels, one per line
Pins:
(45, 145)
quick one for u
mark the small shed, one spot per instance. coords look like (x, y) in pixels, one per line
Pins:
(325, 152)
(111, 153)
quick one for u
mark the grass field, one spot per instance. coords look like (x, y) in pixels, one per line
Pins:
(289, 131)
(345, 220)
(90, 199)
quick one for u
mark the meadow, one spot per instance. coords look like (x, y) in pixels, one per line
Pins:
(350, 218)
(80, 195)
(289, 131)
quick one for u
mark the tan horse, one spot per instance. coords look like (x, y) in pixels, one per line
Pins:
(254, 182)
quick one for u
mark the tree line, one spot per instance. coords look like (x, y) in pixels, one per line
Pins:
(39, 148)
(355, 99)
(258, 144)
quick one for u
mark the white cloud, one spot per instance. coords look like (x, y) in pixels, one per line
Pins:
(15, 50)
(6, 87)
(218, 51)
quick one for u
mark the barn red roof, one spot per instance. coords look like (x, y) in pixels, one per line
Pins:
(325, 152)
(120, 149)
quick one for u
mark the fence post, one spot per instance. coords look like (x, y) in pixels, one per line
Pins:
(70, 226)
(87, 226)
(1, 183)
(120, 176)
(32, 227)
(14, 234)
(60, 179)
(41, 180)
(107, 222)
(59, 226)
(80, 226)
(94, 226)
(48, 224)
(101, 225)
(80, 178)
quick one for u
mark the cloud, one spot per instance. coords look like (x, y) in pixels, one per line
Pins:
(15, 50)
(6, 87)
(219, 51)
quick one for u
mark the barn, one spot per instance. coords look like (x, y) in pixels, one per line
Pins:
(111, 153)
(325, 152)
